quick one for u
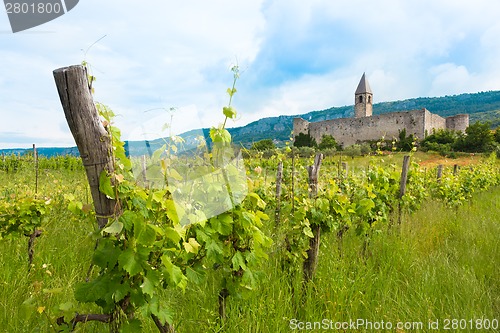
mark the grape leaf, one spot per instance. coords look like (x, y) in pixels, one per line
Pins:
(105, 184)
(130, 262)
(146, 236)
(115, 228)
(238, 261)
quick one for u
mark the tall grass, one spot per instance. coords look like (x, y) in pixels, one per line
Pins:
(440, 263)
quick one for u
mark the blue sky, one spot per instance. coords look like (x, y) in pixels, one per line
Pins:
(295, 56)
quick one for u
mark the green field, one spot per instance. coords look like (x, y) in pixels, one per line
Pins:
(440, 267)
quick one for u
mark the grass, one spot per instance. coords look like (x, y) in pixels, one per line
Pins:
(440, 263)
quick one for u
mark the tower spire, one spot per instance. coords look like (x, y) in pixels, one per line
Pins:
(363, 86)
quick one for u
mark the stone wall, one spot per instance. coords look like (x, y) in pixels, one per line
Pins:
(458, 122)
(348, 131)
(432, 122)
(300, 126)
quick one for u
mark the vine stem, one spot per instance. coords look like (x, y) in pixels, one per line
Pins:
(235, 78)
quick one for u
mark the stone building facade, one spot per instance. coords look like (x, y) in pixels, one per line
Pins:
(367, 127)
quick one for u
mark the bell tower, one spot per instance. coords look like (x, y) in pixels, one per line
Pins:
(363, 103)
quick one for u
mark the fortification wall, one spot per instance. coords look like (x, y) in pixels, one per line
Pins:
(457, 122)
(300, 126)
(432, 122)
(348, 131)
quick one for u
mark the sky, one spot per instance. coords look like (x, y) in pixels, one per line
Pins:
(294, 56)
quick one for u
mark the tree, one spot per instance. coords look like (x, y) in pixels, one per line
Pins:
(405, 143)
(479, 138)
(266, 144)
(442, 141)
(497, 135)
(442, 136)
(304, 140)
(328, 142)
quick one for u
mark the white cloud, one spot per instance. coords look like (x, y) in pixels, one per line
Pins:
(449, 79)
(296, 56)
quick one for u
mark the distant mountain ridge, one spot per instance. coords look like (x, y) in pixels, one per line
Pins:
(42, 151)
(482, 106)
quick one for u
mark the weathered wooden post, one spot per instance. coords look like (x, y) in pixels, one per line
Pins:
(345, 169)
(311, 262)
(402, 183)
(279, 177)
(339, 172)
(439, 172)
(455, 169)
(144, 171)
(265, 176)
(292, 198)
(404, 176)
(92, 139)
(35, 159)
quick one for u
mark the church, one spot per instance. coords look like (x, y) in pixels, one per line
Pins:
(368, 127)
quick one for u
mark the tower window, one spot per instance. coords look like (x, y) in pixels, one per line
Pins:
(361, 99)
(369, 99)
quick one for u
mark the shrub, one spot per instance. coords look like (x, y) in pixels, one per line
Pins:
(328, 142)
(329, 152)
(353, 150)
(304, 140)
(405, 143)
(306, 152)
(365, 148)
(262, 145)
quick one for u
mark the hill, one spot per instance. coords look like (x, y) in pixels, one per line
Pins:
(47, 152)
(482, 106)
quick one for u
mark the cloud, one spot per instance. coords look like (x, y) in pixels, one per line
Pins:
(295, 56)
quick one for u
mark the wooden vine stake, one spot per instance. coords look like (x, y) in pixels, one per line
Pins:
(402, 183)
(279, 177)
(35, 159)
(345, 169)
(311, 262)
(92, 139)
(439, 172)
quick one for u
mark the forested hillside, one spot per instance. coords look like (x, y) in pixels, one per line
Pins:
(483, 106)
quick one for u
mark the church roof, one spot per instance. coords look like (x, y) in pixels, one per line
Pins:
(363, 86)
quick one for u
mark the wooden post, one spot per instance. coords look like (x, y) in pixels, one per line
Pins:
(345, 169)
(339, 173)
(455, 169)
(402, 183)
(92, 139)
(404, 176)
(35, 158)
(223, 295)
(265, 177)
(439, 172)
(293, 180)
(313, 171)
(311, 262)
(144, 171)
(279, 177)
